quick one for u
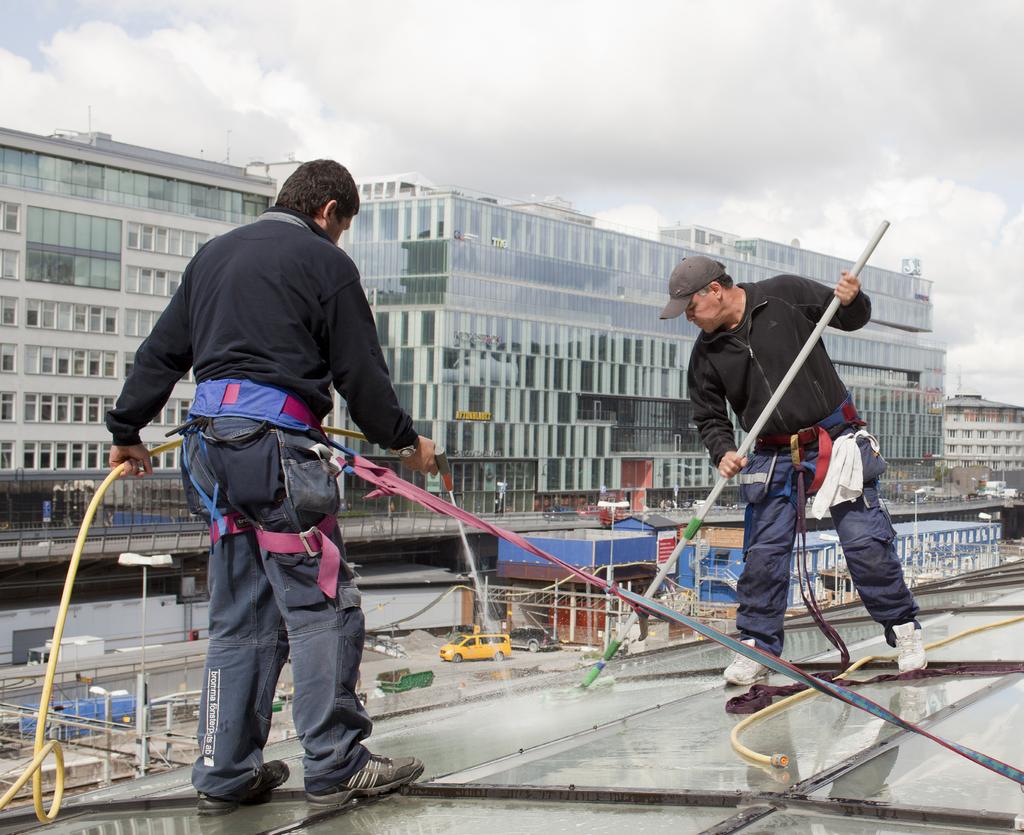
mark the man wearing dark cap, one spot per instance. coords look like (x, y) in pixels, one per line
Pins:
(751, 335)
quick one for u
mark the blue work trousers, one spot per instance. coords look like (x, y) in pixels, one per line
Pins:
(865, 532)
(264, 605)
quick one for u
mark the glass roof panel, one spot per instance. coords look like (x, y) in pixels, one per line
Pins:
(182, 821)
(922, 773)
(1002, 643)
(686, 746)
(457, 737)
(416, 816)
(802, 822)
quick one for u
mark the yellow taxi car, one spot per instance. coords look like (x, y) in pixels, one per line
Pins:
(478, 647)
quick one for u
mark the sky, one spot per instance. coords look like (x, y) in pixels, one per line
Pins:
(812, 120)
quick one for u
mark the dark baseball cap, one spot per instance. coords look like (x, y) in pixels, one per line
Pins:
(690, 275)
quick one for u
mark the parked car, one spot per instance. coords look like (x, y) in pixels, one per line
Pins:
(482, 647)
(459, 631)
(532, 638)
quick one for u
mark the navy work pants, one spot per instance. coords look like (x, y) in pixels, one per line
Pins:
(264, 604)
(865, 532)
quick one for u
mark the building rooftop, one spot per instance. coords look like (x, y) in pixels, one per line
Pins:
(650, 750)
(975, 400)
(73, 144)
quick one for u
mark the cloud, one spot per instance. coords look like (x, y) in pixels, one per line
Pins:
(779, 118)
(971, 244)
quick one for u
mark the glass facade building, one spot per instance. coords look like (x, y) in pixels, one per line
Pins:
(527, 341)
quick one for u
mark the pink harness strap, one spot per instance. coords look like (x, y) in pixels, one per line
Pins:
(293, 407)
(317, 540)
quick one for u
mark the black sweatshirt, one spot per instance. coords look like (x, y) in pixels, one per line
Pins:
(273, 302)
(746, 364)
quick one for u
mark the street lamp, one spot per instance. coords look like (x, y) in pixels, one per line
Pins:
(141, 699)
(610, 574)
(987, 517)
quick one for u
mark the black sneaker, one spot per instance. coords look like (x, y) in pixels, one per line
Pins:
(380, 775)
(269, 777)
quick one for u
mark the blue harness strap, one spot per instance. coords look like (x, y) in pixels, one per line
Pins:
(209, 502)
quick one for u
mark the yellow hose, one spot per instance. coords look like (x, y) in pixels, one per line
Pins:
(41, 751)
(779, 760)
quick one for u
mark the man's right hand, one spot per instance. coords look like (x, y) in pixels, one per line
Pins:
(423, 460)
(136, 457)
(731, 464)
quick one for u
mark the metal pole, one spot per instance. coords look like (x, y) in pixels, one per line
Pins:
(144, 578)
(745, 446)
(554, 610)
(107, 717)
(140, 722)
(142, 702)
(608, 607)
(170, 717)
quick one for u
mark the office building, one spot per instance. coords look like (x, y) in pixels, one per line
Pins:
(981, 433)
(94, 235)
(526, 339)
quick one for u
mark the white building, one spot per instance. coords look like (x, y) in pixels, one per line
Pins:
(980, 433)
(94, 235)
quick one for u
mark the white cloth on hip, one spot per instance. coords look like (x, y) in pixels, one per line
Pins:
(844, 481)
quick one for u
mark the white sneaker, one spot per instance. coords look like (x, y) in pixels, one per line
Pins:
(909, 647)
(743, 671)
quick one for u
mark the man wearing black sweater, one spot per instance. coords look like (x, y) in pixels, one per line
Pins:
(269, 316)
(751, 335)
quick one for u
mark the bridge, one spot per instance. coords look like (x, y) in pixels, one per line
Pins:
(55, 545)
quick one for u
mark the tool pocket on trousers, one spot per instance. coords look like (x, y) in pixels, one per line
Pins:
(297, 575)
(878, 523)
(873, 462)
(244, 457)
(349, 596)
(755, 479)
(310, 481)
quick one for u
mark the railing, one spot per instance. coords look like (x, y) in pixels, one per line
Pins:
(38, 546)
(720, 575)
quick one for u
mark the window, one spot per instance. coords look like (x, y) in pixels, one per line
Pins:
(9, 264)
(66, 316)
(63, 455)
(149, 238)
(70, 248)
(6, 455)
(9, 213)
(7, 406)
(175, 412)
(8, 310)
(7, 352)
(74, 362)
(139, 322)
(150, 282)
(65, 408)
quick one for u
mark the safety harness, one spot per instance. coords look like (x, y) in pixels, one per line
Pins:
(820, 434)
(845, 415)
(276, 407)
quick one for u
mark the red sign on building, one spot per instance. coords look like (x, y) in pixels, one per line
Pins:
(666, 544)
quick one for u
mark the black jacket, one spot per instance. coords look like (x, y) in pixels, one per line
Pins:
(745, 365)
(272, 302)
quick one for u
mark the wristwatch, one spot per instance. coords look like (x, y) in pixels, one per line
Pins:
(408, 451)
